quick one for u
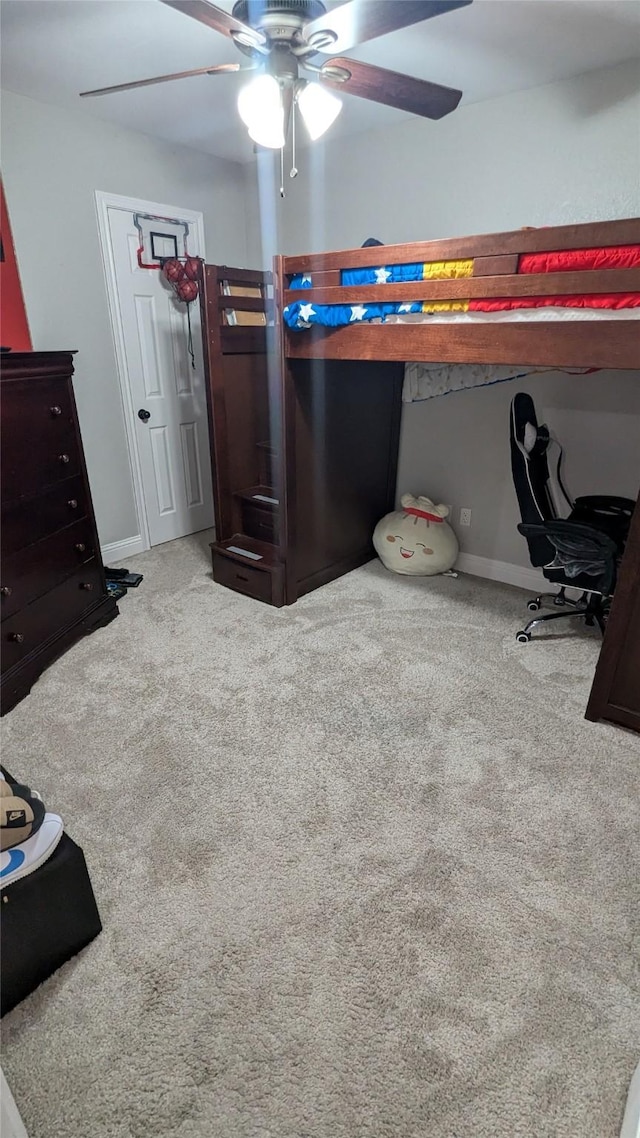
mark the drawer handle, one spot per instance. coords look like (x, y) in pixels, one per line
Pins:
(6, 590)
(73, 503)
(55, 411)
(241, 577)
(86, 585)
(17, 637)
(64, 459)
(80, 546)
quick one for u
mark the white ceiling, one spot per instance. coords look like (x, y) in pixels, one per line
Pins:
(52, 49)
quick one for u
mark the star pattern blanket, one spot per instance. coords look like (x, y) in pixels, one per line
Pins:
(302, 315)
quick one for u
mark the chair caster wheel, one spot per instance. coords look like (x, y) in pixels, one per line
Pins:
(559, 601)
(523, 637)
(533, 606)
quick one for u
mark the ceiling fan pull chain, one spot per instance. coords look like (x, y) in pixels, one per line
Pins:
(293, 173)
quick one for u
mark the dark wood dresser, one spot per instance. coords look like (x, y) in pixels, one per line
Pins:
(52, 583)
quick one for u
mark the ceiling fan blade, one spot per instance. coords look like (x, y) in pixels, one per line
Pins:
(390, 87)
(220, 68)
(218, 19)
(360, 20)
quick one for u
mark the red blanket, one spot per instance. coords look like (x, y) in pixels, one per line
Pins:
(570, 300)
(571, 260)
(566, 260)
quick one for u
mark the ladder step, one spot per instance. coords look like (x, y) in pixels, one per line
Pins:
(248, 551)
(262, 497)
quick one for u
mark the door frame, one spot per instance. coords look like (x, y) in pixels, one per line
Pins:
(104, 202)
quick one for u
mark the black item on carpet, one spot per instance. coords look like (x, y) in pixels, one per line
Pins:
(119, 580)
(47, 918)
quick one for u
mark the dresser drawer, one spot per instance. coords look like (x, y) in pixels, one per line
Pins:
(33, 571)
(30, 520)
(33, 626)
(39, 439)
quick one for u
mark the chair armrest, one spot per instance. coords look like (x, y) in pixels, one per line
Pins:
(608, 503)
(580, 549)
(575, 531)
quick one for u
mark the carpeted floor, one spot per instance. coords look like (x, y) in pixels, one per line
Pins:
(364, 870)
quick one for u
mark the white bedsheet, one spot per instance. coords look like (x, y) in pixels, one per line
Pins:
(426, 380)
(514, 315)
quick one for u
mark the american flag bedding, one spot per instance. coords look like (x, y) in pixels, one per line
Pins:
(300, 315)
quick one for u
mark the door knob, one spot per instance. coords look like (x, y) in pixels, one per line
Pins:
(144, 415)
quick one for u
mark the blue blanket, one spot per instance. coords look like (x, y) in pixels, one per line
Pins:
(302, 315)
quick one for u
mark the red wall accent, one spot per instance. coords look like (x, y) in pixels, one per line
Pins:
(14, 329)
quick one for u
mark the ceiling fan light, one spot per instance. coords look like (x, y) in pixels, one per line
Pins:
(319, 109)
(269, 132)
(260, 97)
(260, 108)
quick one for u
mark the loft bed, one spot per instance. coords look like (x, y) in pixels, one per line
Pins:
(305, 420)
(489, 277)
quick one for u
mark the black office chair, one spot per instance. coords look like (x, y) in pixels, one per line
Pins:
(581, 551)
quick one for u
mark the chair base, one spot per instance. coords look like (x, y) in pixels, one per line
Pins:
(593, 607)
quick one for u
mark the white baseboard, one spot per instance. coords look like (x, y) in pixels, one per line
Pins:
(631, 1120)
(120, 550)
(530, 579)
(12, 1125)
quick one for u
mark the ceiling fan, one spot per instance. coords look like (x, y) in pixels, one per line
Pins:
(282, 36)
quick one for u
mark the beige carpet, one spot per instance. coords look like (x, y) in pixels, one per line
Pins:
(364, 870)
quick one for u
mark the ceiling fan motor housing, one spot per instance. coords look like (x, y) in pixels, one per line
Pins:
(280, 20)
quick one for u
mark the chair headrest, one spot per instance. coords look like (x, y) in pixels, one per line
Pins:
(531, 437)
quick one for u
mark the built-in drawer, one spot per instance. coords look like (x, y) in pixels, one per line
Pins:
(38, 568)
(258, 523)
(262, 584)
(39, 439)
(39, 622)
(30, 520)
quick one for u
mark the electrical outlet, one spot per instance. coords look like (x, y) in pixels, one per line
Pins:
(465, 517)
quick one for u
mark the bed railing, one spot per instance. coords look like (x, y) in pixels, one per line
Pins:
(484, 245)
(495, 257)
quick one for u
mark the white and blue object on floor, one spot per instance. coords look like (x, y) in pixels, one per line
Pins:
(19, 861)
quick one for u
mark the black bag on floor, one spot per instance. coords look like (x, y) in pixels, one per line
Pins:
(45, 919)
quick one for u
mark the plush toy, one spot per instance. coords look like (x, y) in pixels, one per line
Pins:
(416, 539)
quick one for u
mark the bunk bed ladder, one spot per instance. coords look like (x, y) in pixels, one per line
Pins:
(244, 420)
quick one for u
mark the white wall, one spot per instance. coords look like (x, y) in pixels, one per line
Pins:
(568, 152)
(52, 162)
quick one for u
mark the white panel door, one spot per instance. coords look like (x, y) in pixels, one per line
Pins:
(167, 395)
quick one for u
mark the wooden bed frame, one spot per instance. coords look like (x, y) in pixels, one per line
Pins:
(305, 425)
(584, 343)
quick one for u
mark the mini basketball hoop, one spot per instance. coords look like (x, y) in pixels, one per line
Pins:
(163, 245)
(160, 239)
